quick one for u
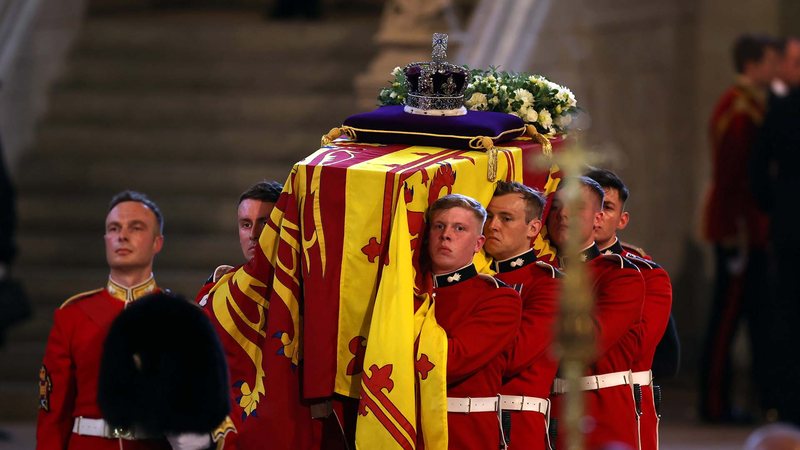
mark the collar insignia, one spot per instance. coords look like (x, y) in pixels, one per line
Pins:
(127, 294)
(455, 277)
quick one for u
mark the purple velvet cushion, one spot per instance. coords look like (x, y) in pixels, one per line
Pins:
(391, 125)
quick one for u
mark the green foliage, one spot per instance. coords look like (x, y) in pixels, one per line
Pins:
(536, 100)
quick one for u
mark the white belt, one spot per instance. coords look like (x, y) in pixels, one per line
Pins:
(85, 426)
(523, 403)
(595, 382)
(471, 404)
(643, 378)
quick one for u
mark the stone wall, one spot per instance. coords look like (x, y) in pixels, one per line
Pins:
(648, 73)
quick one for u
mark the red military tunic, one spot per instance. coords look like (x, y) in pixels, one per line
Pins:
(618, 290)
(481, 319)
(734, 127)
(247, 425)
(531, 364)
(655, 317)
(69, 374)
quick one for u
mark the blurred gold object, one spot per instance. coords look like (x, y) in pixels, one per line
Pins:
(574, 342)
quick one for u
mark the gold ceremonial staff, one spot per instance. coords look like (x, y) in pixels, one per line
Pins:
(575, 334)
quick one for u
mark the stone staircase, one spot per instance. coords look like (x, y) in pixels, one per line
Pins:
(190, 107)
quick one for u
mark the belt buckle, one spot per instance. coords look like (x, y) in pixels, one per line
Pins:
(596, 382)
(122, 433)
(522, 403)
(469, 405)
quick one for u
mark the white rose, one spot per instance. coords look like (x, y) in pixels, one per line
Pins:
(477, 101)
(393, 94)
(525, 96)
(531, 116)
(396, 71)
(545, 120)
(563, 121)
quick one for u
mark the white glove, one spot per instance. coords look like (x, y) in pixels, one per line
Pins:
(189, 441)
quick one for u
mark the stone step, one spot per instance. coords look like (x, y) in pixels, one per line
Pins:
(27, 359)
(86, 212)
(77, 178)
(178, 144)
(218, 75)
(19, 399)
(199, 36)
(181, 250)
(278, 111)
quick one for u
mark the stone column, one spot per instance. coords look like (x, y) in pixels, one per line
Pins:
(404, 36)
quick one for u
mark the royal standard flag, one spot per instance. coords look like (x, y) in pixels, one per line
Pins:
(325, 254)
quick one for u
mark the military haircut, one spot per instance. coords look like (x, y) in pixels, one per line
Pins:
(135, 196)
(458, 201)
(534, 200)
(609, 180)
(265, 191)
(750, 48)
(593, 187)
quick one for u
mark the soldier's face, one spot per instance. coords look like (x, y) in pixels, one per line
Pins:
(585, 216)
(132, 237)
(612, 220)
(251, 218)
(454, 238)
(507, 231)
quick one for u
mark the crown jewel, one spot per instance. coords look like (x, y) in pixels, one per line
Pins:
(436, 87)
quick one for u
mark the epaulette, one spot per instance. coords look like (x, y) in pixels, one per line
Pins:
(218, 273)
(492, 280)
(624, 263)
(80, 296)
(634, 249)
(554, 273)
(650, 264)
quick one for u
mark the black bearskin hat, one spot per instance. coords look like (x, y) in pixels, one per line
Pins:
(163, 369)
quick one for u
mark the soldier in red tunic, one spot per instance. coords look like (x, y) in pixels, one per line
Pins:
(255, 206)
(618, 290)
(514, 218)
(657, 304)
(69, 417)
(481, 317)
(736, 227)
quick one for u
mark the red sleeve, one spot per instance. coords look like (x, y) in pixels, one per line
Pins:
(734, 147)
(618, 307)
(539, 310)
(657, 307)
(487, 333)
(57, 388)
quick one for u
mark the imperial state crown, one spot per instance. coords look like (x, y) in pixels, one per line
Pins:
(436, 87)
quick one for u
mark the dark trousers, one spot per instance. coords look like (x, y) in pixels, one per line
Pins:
(737, 297)
(784, 336)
